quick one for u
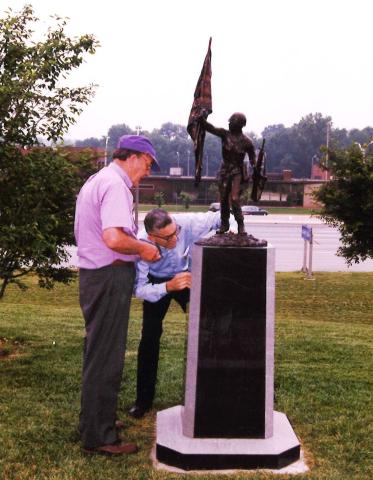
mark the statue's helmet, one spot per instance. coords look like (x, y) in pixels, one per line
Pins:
(237, 120)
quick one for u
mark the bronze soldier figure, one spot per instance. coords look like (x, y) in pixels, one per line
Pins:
(233, 172)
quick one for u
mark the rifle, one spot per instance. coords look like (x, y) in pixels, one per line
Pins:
(259, 175)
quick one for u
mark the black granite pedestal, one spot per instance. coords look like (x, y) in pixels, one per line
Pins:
(228, 419)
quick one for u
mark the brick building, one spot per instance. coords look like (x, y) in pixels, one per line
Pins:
(281, 189)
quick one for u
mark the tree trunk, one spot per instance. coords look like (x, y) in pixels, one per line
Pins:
(3, 287)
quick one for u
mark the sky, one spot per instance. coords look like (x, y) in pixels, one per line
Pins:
(274, 60)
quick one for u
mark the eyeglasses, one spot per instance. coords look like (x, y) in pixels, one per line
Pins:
(167, 238)
(148, 159)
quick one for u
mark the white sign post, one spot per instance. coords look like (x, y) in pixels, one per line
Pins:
(307, 235)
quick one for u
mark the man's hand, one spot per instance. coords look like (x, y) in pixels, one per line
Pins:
(119, 241)
(179, 282)
(149, 252)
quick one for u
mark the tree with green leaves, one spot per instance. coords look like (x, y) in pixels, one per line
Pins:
(213, 192)
(37, 185)
(115, 132)
(293, 148)
(33, 102)
(159, 198)
(37, 215)
(186, 199)
(348, 201)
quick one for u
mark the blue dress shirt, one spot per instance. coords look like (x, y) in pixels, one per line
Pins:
(175, 260)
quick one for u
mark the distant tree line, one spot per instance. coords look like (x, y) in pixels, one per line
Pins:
(294, 148)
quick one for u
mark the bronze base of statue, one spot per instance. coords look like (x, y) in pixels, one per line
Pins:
(222, 230)
(230, 239)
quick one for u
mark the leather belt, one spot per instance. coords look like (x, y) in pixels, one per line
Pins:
(122, 262)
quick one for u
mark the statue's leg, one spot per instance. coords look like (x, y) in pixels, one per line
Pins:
(235, 201)
(224, 191)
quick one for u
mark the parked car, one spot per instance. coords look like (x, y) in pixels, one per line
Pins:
(214, 207)
(246, 209)
(253, 210)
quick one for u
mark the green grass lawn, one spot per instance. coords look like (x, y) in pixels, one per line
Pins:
(323, 381)
(143, 207)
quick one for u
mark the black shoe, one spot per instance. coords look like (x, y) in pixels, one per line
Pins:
(137, 412)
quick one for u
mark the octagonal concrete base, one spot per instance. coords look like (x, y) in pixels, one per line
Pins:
(175, 449)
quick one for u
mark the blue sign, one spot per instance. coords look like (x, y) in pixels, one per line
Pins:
(307, 232)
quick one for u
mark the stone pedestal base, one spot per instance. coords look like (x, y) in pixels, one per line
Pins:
(230, 360)
(174, 448)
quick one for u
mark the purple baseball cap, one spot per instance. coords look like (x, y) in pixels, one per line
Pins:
(138, 143)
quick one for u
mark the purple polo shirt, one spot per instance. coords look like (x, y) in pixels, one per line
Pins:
(104, 201)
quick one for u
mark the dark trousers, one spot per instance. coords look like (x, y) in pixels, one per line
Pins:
(105, 297)
(148, 354)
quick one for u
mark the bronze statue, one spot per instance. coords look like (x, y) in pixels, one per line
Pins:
(233, 175)
(233, 172)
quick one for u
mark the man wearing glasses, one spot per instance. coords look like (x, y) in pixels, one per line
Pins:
(160, 282)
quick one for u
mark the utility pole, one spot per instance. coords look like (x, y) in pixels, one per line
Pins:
(328, 125)
(138, 130)
(106, 142)
(315, 159)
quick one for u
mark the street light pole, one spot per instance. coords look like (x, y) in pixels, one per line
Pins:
(138, 130)
(188, 161)
(314, 159)
(327, 149)
(327, 134)
(106, 142)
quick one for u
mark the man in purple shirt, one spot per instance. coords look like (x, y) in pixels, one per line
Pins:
(105, 233)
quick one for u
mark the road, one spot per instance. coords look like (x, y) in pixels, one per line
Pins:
(284, 233)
